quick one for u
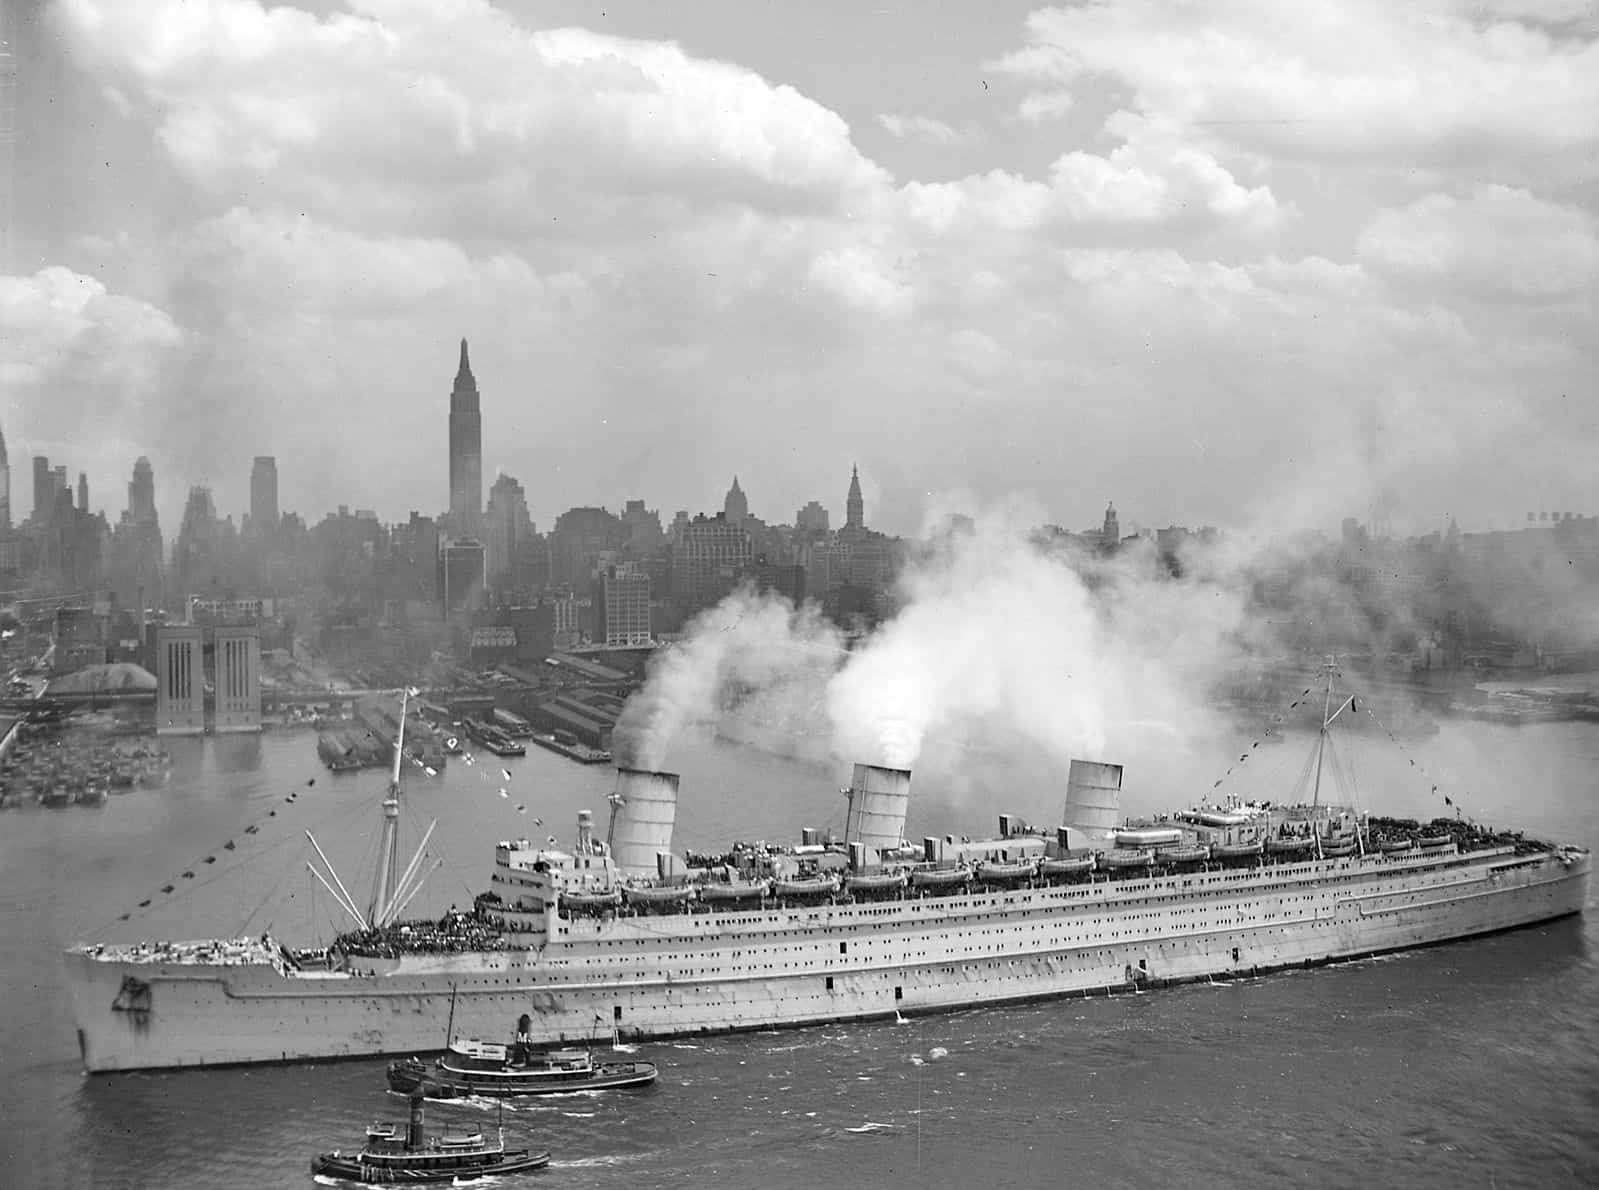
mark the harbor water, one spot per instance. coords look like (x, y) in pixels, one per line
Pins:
(1472, 1064)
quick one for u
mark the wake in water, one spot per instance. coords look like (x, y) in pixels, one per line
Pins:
(871, 1126)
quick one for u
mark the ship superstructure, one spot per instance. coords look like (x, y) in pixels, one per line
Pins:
(621, 935)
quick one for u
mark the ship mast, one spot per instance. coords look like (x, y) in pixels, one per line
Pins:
(1327, 717)
(383, 878)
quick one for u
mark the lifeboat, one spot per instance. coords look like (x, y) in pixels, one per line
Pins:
(940, 878)
(590, 900)
(1125, 859)
(1148, 836)
(1292, 847)
(1232, 853)
(1431, 841)
(804, 886)
(1392, 846)
(656, 896)
(996, 871)
(1337, 848)
(874, 882)
(1070, 866)
(735, 890)
(1183, 853)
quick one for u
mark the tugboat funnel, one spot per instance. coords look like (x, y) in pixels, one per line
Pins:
(413, 1135)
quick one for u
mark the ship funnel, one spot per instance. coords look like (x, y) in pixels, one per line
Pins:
(643, 811)
(1093, 797)
(878, 800)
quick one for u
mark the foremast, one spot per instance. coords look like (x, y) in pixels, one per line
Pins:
(390, 893)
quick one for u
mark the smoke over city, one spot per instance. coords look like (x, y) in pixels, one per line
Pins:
(1004, 651)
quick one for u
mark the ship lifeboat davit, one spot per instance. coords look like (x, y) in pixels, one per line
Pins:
(734, 890)
(1184, 853)
(659, 896)
(1074, 865)
(1001, 871)
(874, 883)
(805, 886)
(1235, 853)
(940, 879)
(590, 900)
(1126, 859)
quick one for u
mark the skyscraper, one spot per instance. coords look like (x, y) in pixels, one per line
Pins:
(735, 506)
(83, 491)
(5, 487)
(141, 493)
(264, 494)
(44, 490)
(854, 506)
(466, 452)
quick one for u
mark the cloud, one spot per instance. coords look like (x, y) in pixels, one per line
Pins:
(1499, 240)
(928, 131)
(73, 354)
(1434, 81)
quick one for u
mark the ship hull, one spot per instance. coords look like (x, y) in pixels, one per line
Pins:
(731, 970)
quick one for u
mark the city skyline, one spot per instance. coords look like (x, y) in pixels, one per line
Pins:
(1062, 255)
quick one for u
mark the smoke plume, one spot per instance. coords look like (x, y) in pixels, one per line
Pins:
(754, 653)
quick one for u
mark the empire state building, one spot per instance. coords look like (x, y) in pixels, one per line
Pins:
(466, 452)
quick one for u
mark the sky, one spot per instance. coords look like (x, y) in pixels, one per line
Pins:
(1237, 262)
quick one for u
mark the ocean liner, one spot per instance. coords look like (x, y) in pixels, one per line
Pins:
(621, 935)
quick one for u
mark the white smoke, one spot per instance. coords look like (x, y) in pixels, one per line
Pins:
(754, 653)
(1003, 641)
(1007, 658)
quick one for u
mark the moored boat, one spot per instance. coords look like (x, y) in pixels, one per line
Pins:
(404, 1154)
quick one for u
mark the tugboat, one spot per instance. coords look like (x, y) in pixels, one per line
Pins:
(487, 1068)
(394, 1153)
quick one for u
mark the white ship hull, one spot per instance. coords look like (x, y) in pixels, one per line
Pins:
(660, 976)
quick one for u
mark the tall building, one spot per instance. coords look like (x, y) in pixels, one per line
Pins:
(854, 506)
(141, 493)
(624, 606)
(44, 490)
(712, 557)
(812, 518)
(466, 451)
(507, 529)
(735, 506)
(264, 494)
(5, 487)
(83, 491)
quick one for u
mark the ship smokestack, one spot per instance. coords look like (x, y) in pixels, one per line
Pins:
(413, 1134)
(643, 812)
(878, 800)
(1093, 798)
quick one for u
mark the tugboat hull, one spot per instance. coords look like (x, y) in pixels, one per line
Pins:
(353, 1169)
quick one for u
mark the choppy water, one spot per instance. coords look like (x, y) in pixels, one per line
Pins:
(1474, 1064)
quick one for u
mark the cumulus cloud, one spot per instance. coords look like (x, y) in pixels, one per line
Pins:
(1499, 239)
(1433, 81)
